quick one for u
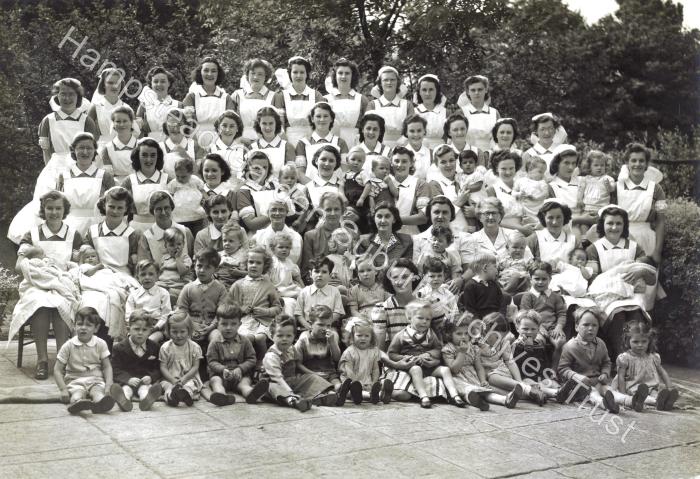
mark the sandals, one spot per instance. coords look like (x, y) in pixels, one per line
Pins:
(425, 402)
(42, 370)
(457, 401)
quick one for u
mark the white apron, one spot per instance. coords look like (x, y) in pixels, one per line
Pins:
(234, 155)
(613, 257)
(512, 207)
(347, 113)
(316, 191)
(170, 156)
(156, 245)
(393, 120)
(61, 133)
(405, 203)
(156, 114)
(113, 251)
(480, 125)
(311, 149)
(564, 191)
(459, 224)
(436, 119)
(60, 251)
(248, 108)
(143, 219)
(422, 160)
(103, 110)
(208, 108)
(297, 112)
(554, 250)
(83, 193)
(121, 160)
(276, 154)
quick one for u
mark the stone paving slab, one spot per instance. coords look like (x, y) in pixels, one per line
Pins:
(107, 467)
(675, 462)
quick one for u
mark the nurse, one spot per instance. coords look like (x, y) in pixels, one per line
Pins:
(253, 94)
(348, 105)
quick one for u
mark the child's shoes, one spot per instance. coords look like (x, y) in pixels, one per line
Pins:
(118, 395)
(375, 392)
(513, 396)
(640, 395)
(580, 392)
(387, 390)
(538, 396)
(458, 401)
(154, 392)
(173, 399)
(425, 402)
(609, 402)
(258, 391)
(343, 391)
(80, 405)
(328, 399)
(356, 392)
(666, 399)
(103, 405)
(300, 404)
(219, 399)
(475, 399)
(183, 395)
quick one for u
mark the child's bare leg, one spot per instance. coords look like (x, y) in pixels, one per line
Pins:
(77, 396)
(244, 386)
(444, 373)
(416, 373)
(216, 385)
(495, 398)
(260, 342)
(396, 395)
(97, 393)
(503, 382)
(129, 392)
(336, 383)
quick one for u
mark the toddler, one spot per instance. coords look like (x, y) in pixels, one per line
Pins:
(88, 261)
(441, 238)
(498, 363)
(355, 178)
(187, 191)
(639, 367)
(83, 368)
(231, 361)
(419, 344)
(532, 190)
(512, 268)
(464, 360)
(319, 292)
(549, 304)
(359, 363)
(482, 294)
(319, 349)
(219, 211)
(443, 302)
(234, 255)
(200, 298)
(595, 188)
(179, 361)
(136, 366)
(291, 383)
(572, 278)
(258, 300)
(339, 247)
(367, 293)
(471, 182)
(175, 264)
(284, 273)
(298, 201)
(150, 298)
(380, 186)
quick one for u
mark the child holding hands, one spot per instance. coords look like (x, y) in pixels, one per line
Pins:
(232, 361)
(136, 366)
(83, 368)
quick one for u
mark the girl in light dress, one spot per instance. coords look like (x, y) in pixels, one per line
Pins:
(532, 190)
(179, 362)
(414, 129)
(594, 189)
(284, 273)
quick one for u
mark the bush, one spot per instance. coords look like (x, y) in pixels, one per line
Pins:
(677, 317)
(8, 291)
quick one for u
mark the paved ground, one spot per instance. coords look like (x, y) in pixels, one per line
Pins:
(400, 440)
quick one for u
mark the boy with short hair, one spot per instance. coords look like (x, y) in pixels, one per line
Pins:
(153, 299)
(320, 292)
(83, 368)
(482, 293)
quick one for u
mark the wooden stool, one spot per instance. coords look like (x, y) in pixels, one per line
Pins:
(21, 343)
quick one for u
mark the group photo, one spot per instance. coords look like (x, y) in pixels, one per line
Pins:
(330, 218)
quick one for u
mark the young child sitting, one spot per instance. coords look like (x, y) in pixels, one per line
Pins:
(258, 300)
(355, 178)
(232, 361)
(297, 195)
(83, 368)
(339, 251)
(284, 273)
(532, 190)
(88, 261)
(291, 383)
(441, 239)
(498, 362)
(367, 293)
(512, 268)
(136, 366)
(175, 266)
(471, 181)
(443, 302)
(179, 361)
(320, 292)
(150, 298)
(380, 186)
(639, 367)
(187, 191)
(235, 254)
(585, 364)
(200, 298)
(464, 361)
(418, 343)
(319, 349)
(549, 304)
(594, 189)
(482, 294)
(360, 364)
(572, 278)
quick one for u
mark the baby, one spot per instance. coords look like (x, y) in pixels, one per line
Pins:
(572, 278)
(532, 189)
(339, 246)
(175, 267)
(381, 186)
(235, 254)
(512, 268)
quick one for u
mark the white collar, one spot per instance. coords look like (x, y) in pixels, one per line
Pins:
(630, 185)
(484, 109)
(548, 237)
(171, 145)
(62, 233)
(258, 187)
(218, 91)
(336, 92)
(542, 150)
(74, 116)
(377, 148)
(308, 91)
(408, 182)
(155, 177)
(275, 143)
(77, 171)
(318, 181)
(443, 180)
(214, 233)
(247, 89)
(384, 102)
(90, 344)
(157, 231)
(119, 230)
(325, 290)
(608, 245)
(118, 145)
(316, 137)
(439, 108)
(140, 291)
(546, 292)
(220, 145)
